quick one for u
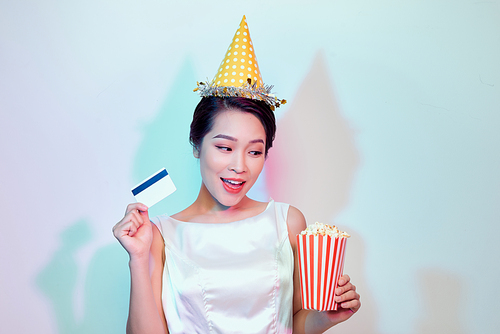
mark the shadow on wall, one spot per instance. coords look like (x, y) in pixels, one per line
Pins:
(441, 303)
(314, 158)
(312, 165)
(166, 144)
(105, 302)
(107, 280)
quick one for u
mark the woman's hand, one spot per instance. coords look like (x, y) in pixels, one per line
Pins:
(134, 231)
(348, 300)
(311, 321)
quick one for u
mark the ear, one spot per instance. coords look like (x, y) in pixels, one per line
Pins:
(196, 153)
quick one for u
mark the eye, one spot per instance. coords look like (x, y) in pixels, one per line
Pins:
(224, 148)
(256, 153)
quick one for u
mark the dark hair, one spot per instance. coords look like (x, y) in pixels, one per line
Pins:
(209, 107)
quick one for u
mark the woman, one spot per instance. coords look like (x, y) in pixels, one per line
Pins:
(229, 264)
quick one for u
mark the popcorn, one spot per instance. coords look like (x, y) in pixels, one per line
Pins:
(324, 229)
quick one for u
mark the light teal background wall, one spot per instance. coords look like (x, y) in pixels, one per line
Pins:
(391, 132)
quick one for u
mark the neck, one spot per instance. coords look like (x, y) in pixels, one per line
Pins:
(209, 205)
(206, 209)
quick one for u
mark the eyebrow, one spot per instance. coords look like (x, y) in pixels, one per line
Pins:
(235, 139)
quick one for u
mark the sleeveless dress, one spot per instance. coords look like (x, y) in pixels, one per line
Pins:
(228, 278)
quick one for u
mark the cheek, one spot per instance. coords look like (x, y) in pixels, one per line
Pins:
(212, 162)
(257, 166)
(216, 161)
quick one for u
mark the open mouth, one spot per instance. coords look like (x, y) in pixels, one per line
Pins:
(232, 184)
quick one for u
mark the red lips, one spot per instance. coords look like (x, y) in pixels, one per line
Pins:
(232, 186)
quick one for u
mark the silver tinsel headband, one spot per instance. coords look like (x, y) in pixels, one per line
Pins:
(247, 90)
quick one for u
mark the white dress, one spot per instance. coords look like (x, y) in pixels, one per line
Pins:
(228, 278)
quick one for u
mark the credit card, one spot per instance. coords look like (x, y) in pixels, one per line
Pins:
(154, 188)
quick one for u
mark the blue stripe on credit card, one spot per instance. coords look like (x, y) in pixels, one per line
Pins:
(148, 183)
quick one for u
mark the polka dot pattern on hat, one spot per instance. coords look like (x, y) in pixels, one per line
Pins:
(239, 62)
(238, 74)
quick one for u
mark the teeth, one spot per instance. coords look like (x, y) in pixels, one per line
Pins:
(233, 182)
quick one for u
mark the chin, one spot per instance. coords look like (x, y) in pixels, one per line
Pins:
(230, 200)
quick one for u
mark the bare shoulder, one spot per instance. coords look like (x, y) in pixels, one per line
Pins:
(296, 220)
(296, 223)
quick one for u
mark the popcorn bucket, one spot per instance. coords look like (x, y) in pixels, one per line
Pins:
(321, 263)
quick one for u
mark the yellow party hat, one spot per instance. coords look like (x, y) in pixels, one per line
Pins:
(239, 73)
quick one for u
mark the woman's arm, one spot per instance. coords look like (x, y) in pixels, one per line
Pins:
(310, 321)
(142, 240)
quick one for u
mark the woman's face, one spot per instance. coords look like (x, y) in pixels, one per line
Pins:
(232, 156)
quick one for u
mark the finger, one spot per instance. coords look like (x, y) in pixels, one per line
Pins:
(344, 280)
(350, 295)
(343, 289)
(353, 305)
(132, 229)
(136, 207)
(145, 216)
(137, 220)
(139, 211)
(128, 225)
(125, 228)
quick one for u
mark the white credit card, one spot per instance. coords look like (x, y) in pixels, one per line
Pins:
(154, 188)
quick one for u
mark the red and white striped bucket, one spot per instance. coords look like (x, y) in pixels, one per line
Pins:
(321, 264)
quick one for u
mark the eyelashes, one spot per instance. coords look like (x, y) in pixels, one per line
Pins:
(229, 149)
(224, 148)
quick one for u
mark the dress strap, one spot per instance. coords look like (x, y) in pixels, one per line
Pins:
(281, 210)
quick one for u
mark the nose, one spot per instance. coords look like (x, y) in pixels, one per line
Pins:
(238, 163)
